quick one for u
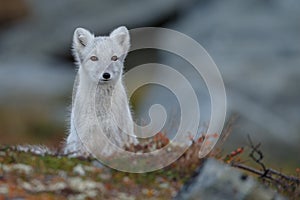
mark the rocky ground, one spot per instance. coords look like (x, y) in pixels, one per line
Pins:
(25, 175)
(29, 176)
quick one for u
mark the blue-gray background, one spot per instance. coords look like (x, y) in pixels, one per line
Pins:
(255, 44)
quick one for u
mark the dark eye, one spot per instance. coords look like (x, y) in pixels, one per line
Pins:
(94, 58)
(114, 58)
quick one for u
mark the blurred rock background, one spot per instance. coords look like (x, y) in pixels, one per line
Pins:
(255, 44)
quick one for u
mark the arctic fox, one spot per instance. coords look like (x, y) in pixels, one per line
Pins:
(100, 105)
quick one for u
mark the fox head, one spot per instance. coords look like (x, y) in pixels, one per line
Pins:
(101, 58)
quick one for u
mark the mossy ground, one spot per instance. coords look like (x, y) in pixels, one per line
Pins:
(31, 176)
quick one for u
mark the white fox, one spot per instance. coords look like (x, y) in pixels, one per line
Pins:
(100, 106)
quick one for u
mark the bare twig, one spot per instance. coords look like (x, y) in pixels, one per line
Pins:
(289, 178)
(257, 152)
(266, 174)
(262, 174)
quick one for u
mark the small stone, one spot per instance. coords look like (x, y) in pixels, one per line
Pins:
(77, 197)
(106, 176)
(124, 196)
(92, 193)
(89, 168)
(22, 168)
(2, 153)
(78, 169)
(3, 189)
(145, 191)
(86, 186)
(26, 186)
(164, 185)
(57, 186)
(126, 179)
(62, 174)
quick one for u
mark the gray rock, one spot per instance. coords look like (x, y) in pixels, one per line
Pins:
(215, 181)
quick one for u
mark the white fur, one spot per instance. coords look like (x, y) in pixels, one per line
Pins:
(112, 108)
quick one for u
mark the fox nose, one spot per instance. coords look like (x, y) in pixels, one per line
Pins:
(106, 76)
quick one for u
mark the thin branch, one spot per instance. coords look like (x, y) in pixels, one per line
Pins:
(257, 152)
(252, 170)
(266, 174)
(289, 178)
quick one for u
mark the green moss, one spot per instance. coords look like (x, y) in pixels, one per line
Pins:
(41, 164)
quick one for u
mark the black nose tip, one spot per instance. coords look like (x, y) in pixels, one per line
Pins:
(106, 76)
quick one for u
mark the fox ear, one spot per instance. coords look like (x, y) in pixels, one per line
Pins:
(121, 36)
(82, 38)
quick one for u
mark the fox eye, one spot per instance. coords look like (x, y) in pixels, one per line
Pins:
(114, 58)
(94, 58)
